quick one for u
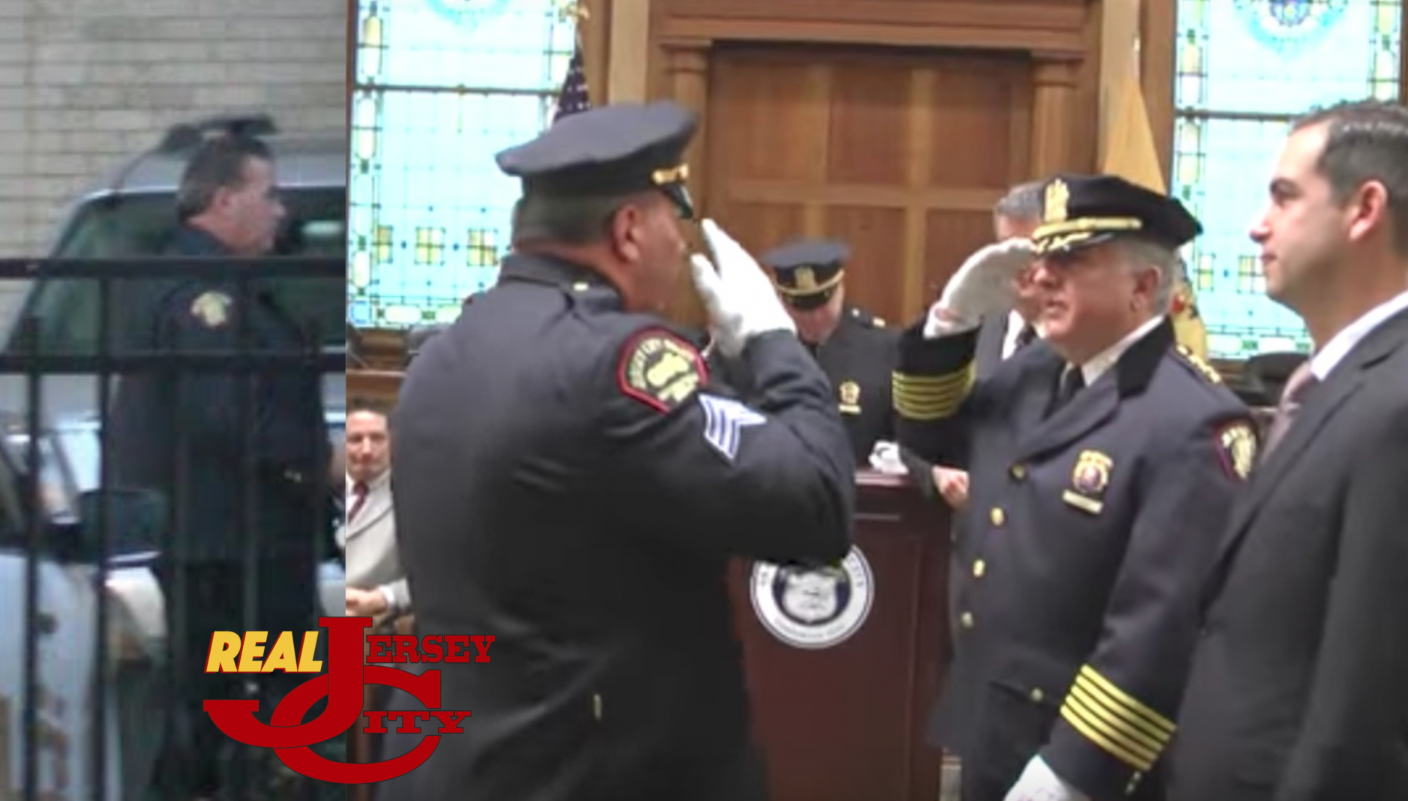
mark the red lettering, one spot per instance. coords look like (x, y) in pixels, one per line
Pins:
(482, 642)
(376, 722)
(406, 650)
(457, 644)
(430, 648)
(450, 721)
(380, 648)
(408, 720)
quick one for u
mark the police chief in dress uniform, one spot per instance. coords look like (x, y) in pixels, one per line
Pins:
(186, 434)
(1103, 462)
(570, 481)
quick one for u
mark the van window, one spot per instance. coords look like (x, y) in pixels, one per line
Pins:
(141, 225)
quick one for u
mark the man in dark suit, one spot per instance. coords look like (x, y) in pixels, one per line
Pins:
(571, 481)
(1299, 688)
(1103, 461)
(187, 435)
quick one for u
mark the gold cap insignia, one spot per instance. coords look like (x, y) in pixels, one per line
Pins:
(212, 309)
(806, 279)
(1054, 205)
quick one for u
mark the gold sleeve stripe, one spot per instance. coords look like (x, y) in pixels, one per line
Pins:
(1136, 728)
(1111, 727)
(1096, 735)
(1125, 701)
(930, 397)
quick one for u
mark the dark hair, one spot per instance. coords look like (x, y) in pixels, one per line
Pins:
(217, 164)
(566, 220)
(1366, 140)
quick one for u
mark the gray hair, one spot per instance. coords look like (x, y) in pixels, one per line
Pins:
(1142, 254)
(1022, 202)
(1366, 140)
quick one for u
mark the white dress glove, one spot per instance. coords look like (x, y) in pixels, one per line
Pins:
(739, 298)
(982, 285)
(1040, 783)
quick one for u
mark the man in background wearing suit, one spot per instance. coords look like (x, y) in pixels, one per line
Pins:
(376, 583)
(1299, 688)
(1000, 335)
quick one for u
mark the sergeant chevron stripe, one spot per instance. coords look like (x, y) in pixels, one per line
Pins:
(724, 421)
(923, 397)
(1116, 721)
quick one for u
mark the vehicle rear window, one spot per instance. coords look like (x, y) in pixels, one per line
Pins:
(141, 225)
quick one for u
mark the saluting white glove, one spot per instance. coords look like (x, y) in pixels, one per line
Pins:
(739, 298)
(981, 286)
(1039, 782)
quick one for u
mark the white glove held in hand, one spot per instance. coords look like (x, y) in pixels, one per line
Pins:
(1039, 782)
(739, 298)
(983, 285)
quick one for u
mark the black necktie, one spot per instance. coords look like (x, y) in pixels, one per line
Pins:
(1025, 337)
(1072, 381)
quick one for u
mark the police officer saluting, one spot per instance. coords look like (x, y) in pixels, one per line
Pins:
(187, 435)
(1103, 464)
(571, 482)
(854, 348)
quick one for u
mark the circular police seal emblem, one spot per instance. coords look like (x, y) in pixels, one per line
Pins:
(813, 608)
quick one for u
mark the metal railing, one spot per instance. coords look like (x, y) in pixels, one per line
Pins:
(82, 540)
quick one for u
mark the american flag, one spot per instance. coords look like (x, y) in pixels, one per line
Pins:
(573, 97)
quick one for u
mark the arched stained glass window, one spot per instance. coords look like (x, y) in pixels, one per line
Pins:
(441, 86)
(1245, 69)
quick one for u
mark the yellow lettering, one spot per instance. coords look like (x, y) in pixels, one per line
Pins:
(252, 651)
(282, 656)
(669, 366)
(224, 647)
(306, 662)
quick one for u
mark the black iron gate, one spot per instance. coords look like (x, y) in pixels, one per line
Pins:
(82, 741)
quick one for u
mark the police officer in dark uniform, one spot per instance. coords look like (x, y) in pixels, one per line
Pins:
(853, 347)
(570, 481)
(186, 435)
(1103, 461)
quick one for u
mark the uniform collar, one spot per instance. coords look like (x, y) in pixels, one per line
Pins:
(198, 241)
(1134, 357)
(540, 268)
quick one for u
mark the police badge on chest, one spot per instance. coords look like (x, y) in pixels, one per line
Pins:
(1088, 482)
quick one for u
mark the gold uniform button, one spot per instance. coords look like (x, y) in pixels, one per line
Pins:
(979, 568)
(1019, 471)
(966, 620)
(997, 516)
(1037, 695)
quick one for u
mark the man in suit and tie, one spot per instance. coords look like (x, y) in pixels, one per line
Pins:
(1299, 687)
(376, 583)
(1103, 462)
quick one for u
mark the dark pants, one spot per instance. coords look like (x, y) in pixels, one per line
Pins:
(211, 597)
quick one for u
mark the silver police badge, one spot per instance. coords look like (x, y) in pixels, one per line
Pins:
(813, 608)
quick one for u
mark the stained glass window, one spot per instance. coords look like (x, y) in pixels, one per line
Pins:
(1245, 69)
(441, 86)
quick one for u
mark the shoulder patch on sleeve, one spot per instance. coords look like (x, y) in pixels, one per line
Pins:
(1237, 448)
(660, 369)
(212, 308)
(1197, 363)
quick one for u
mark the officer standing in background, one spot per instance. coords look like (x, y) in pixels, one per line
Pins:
(570, 481)
(853, 347)
(187, 435)
(1103, 462)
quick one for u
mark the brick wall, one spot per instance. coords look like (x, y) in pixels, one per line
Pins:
(85, 83)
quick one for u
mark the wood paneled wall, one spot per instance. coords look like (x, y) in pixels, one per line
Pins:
(892, 124)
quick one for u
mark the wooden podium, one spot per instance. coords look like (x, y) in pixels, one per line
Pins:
(844, 666)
